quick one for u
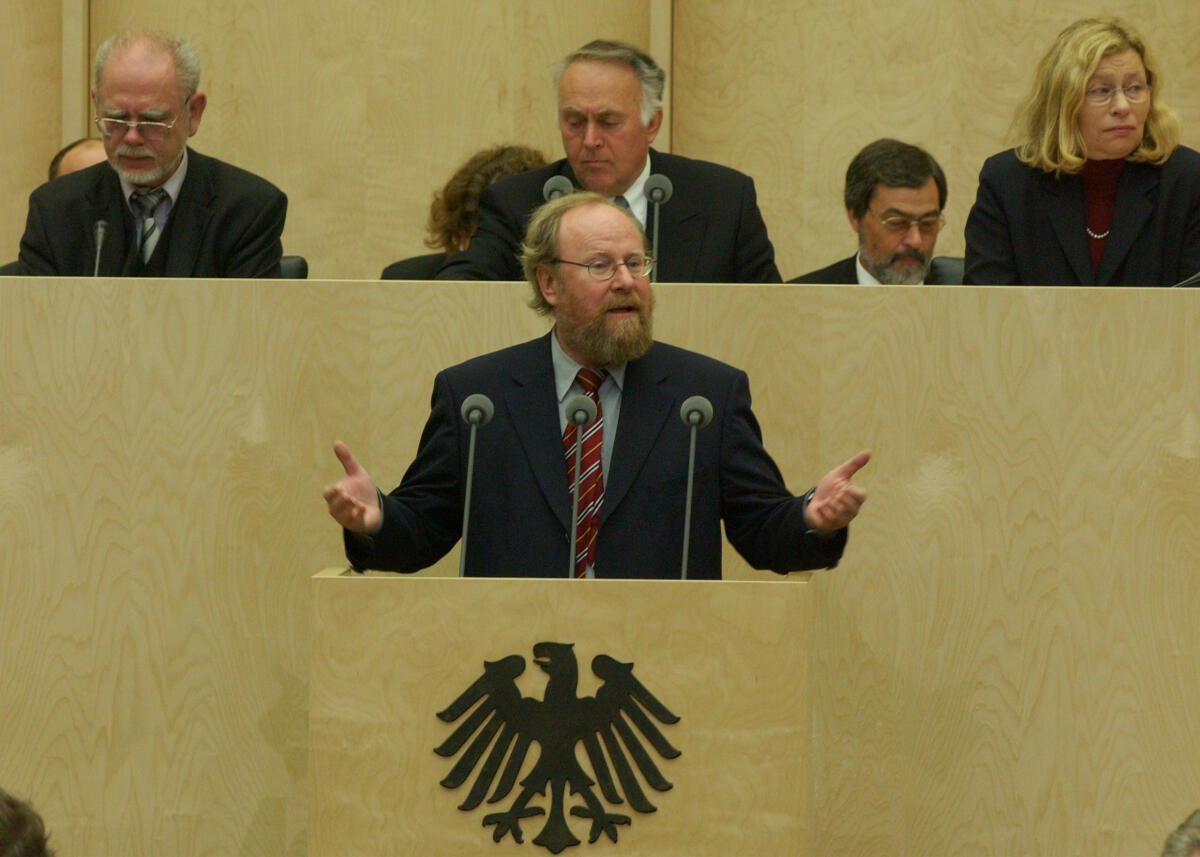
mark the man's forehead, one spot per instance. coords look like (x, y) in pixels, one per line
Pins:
(599, 226)
(916, 200)
(588, 82)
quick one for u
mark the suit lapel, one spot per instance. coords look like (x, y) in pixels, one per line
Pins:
(1133, 207)
(533, 413)
(679, 234)
(645, 407)
(1065, 209)
(189, 218)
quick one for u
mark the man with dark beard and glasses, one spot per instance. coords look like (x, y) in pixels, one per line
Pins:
(894, 196)
(166, 210)
(586, 261)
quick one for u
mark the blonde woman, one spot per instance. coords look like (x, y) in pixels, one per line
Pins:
(1098, 190)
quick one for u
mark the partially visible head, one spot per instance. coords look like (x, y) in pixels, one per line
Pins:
(76, 156)
(609, 112)
(598, 321)
(1058, 126)
(894, 196)
(147, 77)
(454, 214)
(22, 833)
(1184, 841)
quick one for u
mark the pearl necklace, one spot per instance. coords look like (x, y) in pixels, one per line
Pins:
(1098, 236)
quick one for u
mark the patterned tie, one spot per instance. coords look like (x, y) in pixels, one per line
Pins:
(591, 482)
(145, 203)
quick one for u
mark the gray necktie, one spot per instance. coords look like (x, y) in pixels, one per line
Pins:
(145, 202)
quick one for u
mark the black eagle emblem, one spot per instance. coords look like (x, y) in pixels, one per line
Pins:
(510, 724)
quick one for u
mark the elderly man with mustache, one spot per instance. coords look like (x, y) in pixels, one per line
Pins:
(155, 208)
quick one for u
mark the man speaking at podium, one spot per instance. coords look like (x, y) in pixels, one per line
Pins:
(585, 258)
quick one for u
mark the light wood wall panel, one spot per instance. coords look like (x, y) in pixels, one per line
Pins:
(31, 61)
(1003, 663)
(359, 111)
(790, 90)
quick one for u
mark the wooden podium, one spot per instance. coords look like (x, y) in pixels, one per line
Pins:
(729, 658)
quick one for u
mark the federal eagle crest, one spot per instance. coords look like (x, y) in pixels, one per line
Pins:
(510, 724)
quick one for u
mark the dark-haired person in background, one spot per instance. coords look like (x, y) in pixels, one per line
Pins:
(454, 212)
(895, 193)
(22, 833)
(609, 112)
(169, 211)
(1098, 191)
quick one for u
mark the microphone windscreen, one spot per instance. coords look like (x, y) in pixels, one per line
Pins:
(555, 187)
(580, 410)
(696, 411)
(658, 188)
(478, 409)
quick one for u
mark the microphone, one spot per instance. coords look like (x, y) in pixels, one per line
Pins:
(658, 189)
(696, 413)
(99, 231)
(581, 411)
(1190, 282)
(477, 411)
(556, 186)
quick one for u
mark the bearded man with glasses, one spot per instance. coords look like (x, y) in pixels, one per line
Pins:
(895, 193)
(166, 209)
(585, 260)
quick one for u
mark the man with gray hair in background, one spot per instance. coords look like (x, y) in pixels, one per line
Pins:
(155, 208)
(609, 112)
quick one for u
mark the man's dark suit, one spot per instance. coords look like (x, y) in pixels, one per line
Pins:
(711, 231)
(520, 511)
(1027, 227)
(226, 223)
(941, 272)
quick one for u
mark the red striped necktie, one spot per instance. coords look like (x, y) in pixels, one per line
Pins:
(591, 482)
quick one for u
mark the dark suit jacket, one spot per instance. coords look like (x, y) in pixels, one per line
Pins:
(226, 223)
(711, 231)
(414, 268)
(1027, 227)
(520, 510)
(943, 271)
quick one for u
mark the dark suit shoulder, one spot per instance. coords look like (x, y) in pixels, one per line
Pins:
(841, 272)
(683, 168)
(229, 181)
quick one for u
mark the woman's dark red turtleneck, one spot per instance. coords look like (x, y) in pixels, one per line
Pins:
(1099, 180)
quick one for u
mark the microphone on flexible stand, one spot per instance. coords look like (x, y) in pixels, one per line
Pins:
(99, 231)
(1190, 282)
(556, 186)
(581, 412)
(477, 411)
(658, 189)
(696, 413)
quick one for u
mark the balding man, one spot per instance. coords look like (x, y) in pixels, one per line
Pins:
(609, 112)
(585, 259)
(166, 210)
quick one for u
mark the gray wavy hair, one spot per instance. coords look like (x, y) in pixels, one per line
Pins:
(183, 55)
(649, 75)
